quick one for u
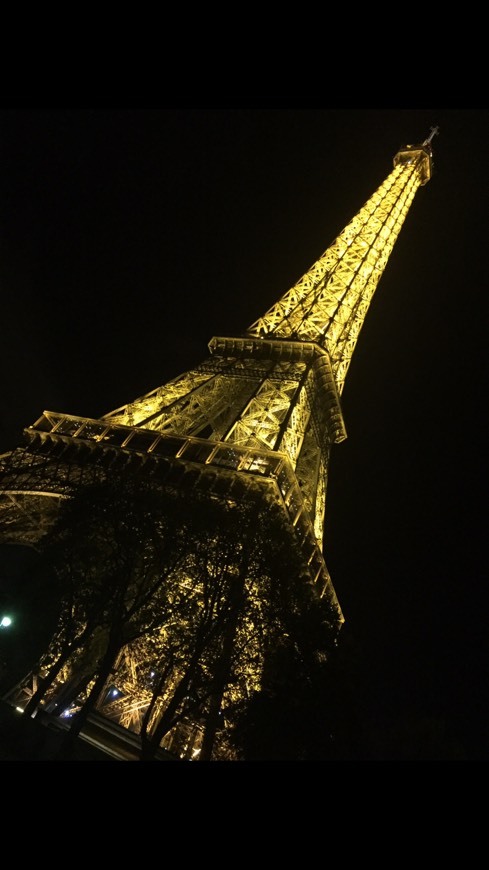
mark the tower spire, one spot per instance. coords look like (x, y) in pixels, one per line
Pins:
(434, 132)
(329, 303)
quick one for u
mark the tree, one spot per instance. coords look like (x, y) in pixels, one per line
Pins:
(305, 708)
(25, 592)
(177, 607)
(107, 551)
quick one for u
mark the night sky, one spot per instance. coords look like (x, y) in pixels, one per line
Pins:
(130, 237)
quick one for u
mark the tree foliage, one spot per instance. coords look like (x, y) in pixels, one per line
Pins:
(190, 605)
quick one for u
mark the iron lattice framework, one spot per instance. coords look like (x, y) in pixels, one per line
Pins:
(262, 411)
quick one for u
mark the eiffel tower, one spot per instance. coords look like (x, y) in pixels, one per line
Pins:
(259, 415)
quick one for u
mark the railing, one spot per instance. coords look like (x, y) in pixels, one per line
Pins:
(264, 465)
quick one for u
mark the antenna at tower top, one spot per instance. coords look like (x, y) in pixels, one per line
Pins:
(434, 132)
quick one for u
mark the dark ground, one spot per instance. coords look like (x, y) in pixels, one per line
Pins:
(25, 739)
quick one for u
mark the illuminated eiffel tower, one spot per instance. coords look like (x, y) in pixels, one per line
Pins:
(259, 414)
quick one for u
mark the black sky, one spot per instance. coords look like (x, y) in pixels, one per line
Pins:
(130, 237)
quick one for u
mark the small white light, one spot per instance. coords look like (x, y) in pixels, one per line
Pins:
(6, 621)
